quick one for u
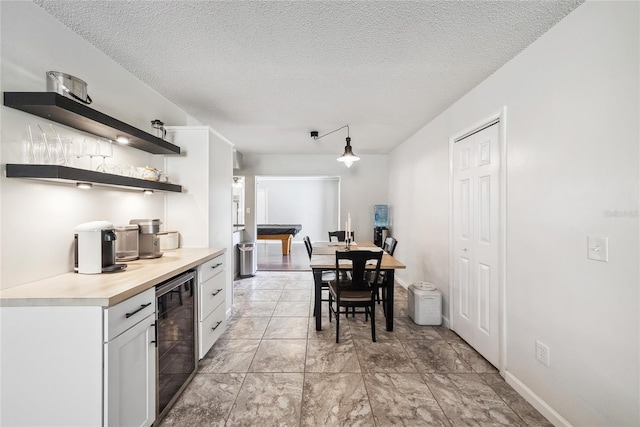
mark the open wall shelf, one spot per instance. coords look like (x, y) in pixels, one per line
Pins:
(64, 174)
(60, 109)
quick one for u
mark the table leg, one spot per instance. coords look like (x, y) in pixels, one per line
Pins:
(390, 293)
(317, 282)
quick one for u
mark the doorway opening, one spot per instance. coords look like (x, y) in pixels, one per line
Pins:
(312, 202)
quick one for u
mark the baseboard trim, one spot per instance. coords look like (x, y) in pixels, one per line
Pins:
(445, 322)
(536, 401)
(401, 282)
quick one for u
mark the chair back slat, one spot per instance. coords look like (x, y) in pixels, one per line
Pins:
(339, 236)
(390, 245)
(359, 259)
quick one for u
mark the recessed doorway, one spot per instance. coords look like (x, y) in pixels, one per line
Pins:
(311, 201)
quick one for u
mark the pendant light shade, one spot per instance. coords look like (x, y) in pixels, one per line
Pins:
(348, 157)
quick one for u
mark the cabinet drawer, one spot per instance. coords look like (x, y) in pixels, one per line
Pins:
(211, 268)
(125, 315)
(210, 329)
(212, 294)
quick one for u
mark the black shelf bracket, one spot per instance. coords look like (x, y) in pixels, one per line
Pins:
(65, 174)
(60, 109)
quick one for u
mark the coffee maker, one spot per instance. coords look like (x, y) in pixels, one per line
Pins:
(148, 241)
(95, 248)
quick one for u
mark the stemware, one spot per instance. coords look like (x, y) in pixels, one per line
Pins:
(27, 147)
(39, 146)
(90, 148)
(56, 148)
(78, 152)
(105, 149)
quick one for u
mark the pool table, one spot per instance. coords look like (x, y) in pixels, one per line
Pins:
(282, 232)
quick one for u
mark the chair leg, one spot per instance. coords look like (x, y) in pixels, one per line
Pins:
(373, 322)
(330, 305)
(338, 325)
(384, 301)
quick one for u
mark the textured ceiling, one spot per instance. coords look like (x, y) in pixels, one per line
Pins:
(266, 73)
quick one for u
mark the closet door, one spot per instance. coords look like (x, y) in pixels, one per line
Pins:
(476, 243)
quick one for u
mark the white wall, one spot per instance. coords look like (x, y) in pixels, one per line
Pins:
(312, 202)
(361, 186)
(572, 158)
(37, 219)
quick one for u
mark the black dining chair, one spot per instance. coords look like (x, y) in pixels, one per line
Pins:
(354, 290)
(389, 247)
(327, 276)
(339, 236)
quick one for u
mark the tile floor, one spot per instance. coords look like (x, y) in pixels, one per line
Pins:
(271, 367)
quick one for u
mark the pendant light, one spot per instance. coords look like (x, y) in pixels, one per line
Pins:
(348, 157)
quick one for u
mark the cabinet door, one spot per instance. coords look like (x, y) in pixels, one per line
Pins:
(130, 376)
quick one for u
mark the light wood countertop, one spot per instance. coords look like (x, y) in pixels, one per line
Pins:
(73, 289)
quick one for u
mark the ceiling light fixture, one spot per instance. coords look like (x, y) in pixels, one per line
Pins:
(122, 139)
(147, 192)
(348, 157)
(84, 185)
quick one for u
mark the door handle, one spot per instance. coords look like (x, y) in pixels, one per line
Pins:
(217, 265)
(155, 339)
(216, 327)
(216, 292)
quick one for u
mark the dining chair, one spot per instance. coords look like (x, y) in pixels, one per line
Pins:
(354, 290)
(389, 247)
(339, 236)
(327, 276)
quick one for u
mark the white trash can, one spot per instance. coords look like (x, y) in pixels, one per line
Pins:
(424, 304)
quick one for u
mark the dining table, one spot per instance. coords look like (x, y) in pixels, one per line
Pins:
(323, 258)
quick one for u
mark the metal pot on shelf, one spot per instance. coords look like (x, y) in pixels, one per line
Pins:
(68, 85)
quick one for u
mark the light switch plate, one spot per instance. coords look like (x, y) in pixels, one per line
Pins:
(598, 248)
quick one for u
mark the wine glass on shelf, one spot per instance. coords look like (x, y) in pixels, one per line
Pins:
(78, 152)
(90, 148)
(105, 149)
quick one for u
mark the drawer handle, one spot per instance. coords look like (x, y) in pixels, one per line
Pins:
(217, 265)
(142, 307)
(217, 324)
(216, 292)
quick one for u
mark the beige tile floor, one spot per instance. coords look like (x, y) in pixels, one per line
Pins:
(271, 367)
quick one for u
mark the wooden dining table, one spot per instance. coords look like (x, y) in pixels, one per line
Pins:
(323, 258)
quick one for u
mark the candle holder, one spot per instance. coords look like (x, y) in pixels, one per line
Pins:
(347, 244)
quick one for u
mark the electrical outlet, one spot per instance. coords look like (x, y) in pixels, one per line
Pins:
(598, 248)
(542, 353)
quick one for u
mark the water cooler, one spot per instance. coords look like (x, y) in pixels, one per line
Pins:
(424, 304)
(381, 224)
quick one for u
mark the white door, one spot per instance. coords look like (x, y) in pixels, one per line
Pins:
(476, 241)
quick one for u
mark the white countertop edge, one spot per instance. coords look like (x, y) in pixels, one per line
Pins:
(72, 289)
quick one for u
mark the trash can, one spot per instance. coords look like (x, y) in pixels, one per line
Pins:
(424, 304)
(248, 259)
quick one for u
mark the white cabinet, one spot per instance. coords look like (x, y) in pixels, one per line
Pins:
(78, 365)
(130, 362)
(203, 212)
(212, 321)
